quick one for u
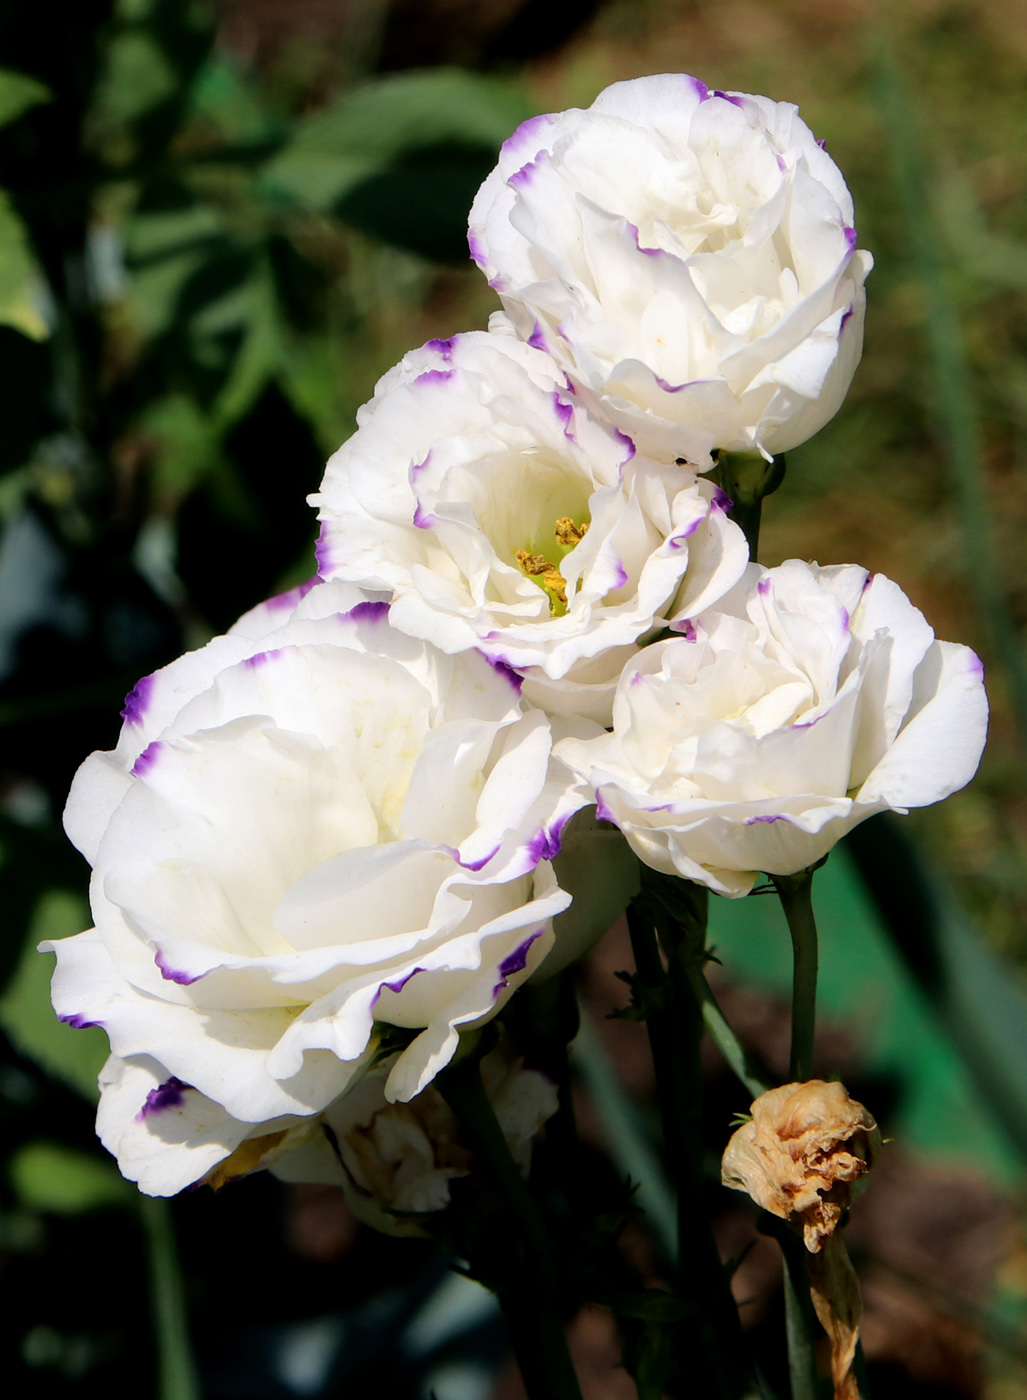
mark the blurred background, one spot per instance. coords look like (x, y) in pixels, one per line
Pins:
(219, 224)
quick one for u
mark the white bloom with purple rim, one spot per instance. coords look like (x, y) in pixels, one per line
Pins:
(688, 257)
(313, 825)
(501, 515)
(807, 701)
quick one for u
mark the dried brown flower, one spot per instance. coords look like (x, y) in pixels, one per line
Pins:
(803, 1155)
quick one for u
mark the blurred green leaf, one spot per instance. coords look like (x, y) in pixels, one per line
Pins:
(423, 202)
(979, 1000)
(152, 237)
(253, 308)
(154, 291)
(19, 92)
(187, 445)
(64, 1181)
(138, 76)
(979, 251)
(21, 281)
(74, 1056)
(366, 130)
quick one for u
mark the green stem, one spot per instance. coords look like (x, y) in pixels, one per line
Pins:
(796, 894)
(530, 1301)
(176, 1370)
(748, 478)
(800, 1321)
(718, 1367)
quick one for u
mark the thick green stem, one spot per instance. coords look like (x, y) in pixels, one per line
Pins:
(529, 1299)
(796, 894)
(747, 478)
(717, 1367)
(176, 1370)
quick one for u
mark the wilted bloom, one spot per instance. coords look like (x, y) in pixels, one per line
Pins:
(396, 1161)
(689, 258)
(803, 1155)
(312, 827)
(805, 702)
(502, 516)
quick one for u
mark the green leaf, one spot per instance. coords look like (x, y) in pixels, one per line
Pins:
(19, 92)
(187, 444)
(21, 282)
(979, 1000)
(367, 130)
(65, 1181)
(253, 307)
(74, 1056)
(137, 78)
(152, 237)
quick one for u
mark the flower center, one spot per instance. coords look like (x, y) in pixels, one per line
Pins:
(546, 573)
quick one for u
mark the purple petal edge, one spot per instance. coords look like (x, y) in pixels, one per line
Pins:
(261, 658)
(78, 1022)
(777, 817)
(322, 553)
(515, 962)
(171, 974)
(434, 376)
(397, 985)
(628, 443)
(476, 248)
(565, 412)
(367, 612)
(288, 600)
(170, 1094)
(146, 759)
(546, 843)
(504, 669)
(137, 700)
(678, 541)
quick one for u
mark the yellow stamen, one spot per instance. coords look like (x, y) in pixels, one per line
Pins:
(568, 534)
(547, 574)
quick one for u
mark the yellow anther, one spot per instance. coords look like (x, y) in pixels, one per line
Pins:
(568, 534)
(548, 575)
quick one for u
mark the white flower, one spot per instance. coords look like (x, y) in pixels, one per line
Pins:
(313, 825)
(688, 257)
(808, 700)
(395, 1161)
(502, 516)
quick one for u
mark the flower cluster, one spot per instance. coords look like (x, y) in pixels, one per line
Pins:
(536, 652)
